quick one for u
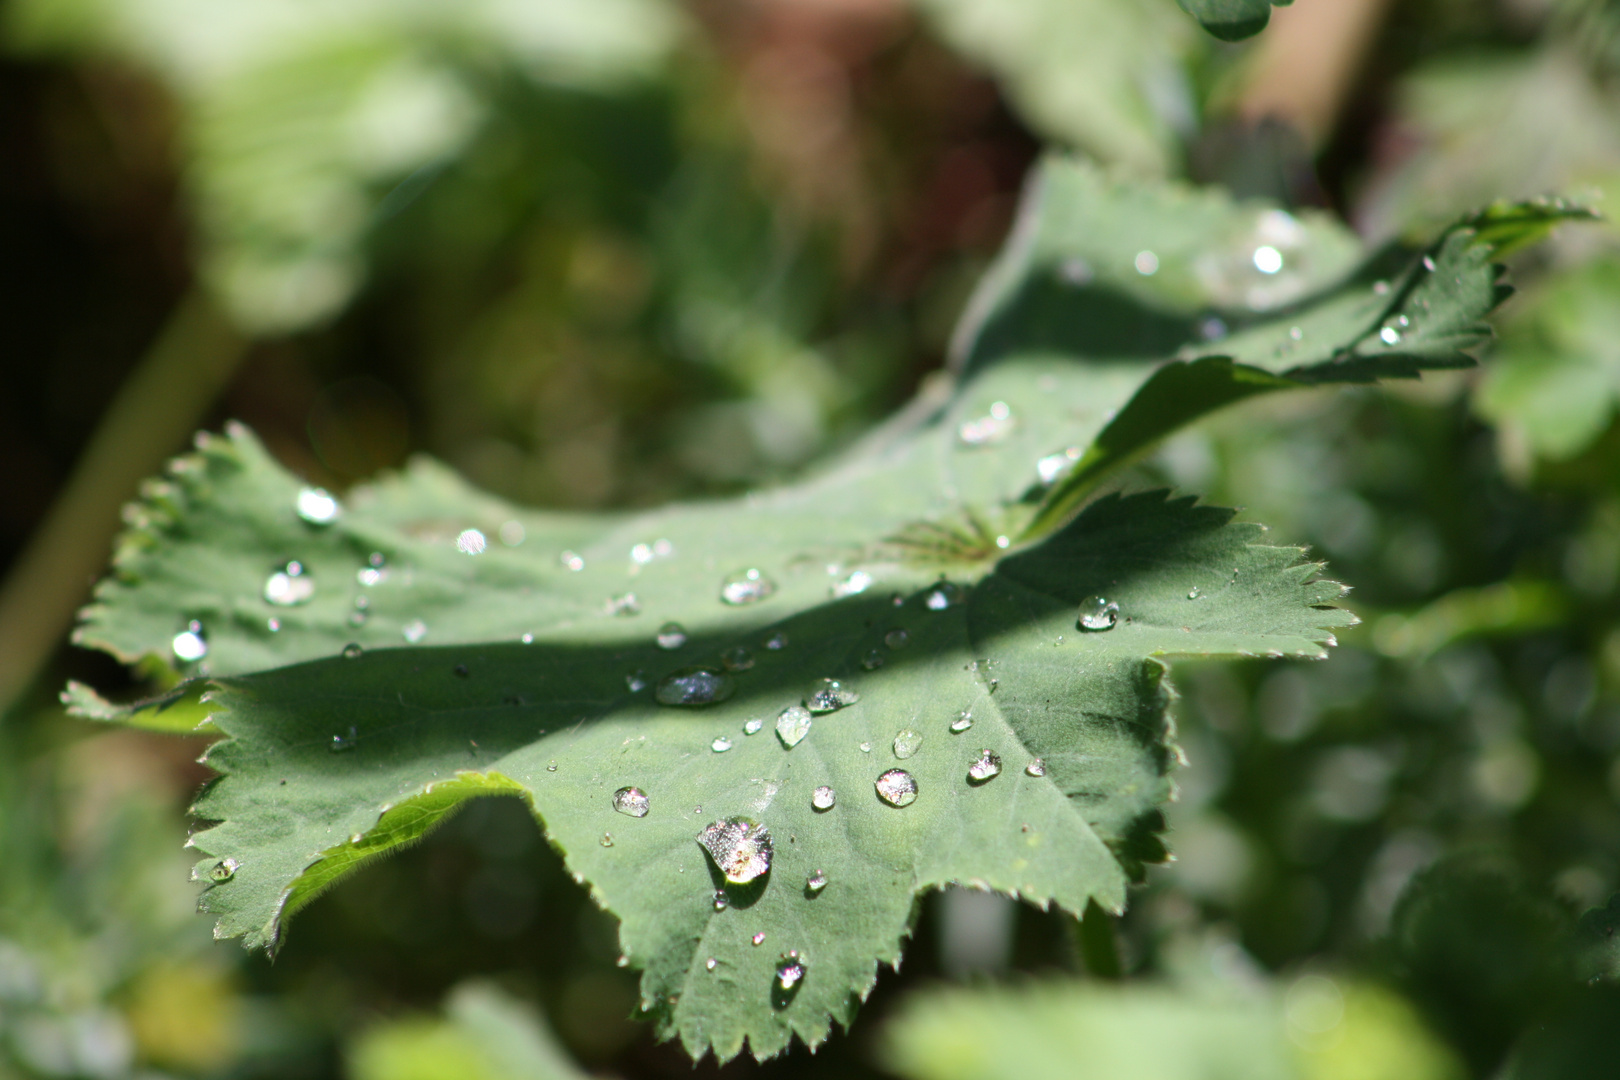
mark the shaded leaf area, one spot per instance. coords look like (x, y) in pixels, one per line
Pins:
(1240, 298)
(339, 759)
(1231, 20)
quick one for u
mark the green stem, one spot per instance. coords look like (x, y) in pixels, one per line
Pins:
(1099, 946)
(165, 397)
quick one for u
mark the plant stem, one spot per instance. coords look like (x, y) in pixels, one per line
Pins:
(159, 404)
(1099, 947)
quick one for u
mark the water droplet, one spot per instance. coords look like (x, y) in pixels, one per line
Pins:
(289, 586)
(823, 798)
(1295, 334)
(357, 618)
(622, 961)
(1212, 328)
(527, 639)
(317, 506)
(720, 745)
(1192, 593)
(571, 560)
(759, 938)
(641, 554)
(223, 871)
(753, 727)
(190, 644)
(352, 650)
(989, 429)
(711, 963)
(944, 595)
(987, 767)
(369, 576)
(793, 725)
(414, 631)
(1428, 263)
(672, 635)
(1076, 271)
(962, 722)
(872, 660)
(471, 542)
(341, 743)
(857, 582)
(737, 659)
(789, 971)
(816, 882)
(607, 839)
(897, 639)
(746, 587)
(721, 900)
(623, 604)
(1402, 321)
(1267, 259)
(694, 686)
(830, 696)
(1036, 768)
(632, 801)
(1098, 613)
(273, 625)
(1389, 336)
(907, 743)
(636, 681)
(551, 766)
(1146, 263)
(866, 748)
(1380, 287)
(897, 787)
(776, 642)
(740, 848)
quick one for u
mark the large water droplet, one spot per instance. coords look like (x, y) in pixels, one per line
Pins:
(1098, 613)
(789, 971)
(623, 604)
(672, 635)
(753, 727)
(897, 639)
(694, 686)
(944, 595)
(897, 787)
(830, 696)
(823, 798)
(721, 744)
(856, 583)
(907, 743)
(793, 725)
(737, 659)
(289, 586)
(223, 871)
(987, 767)
(190, 644)
(872, 660)
(740, 848)
(962, 722)
(746, 587)
(1036, 768)
(632, 801)
(414, 631)
(991, 428)
(317, 506)
(815, 882)
(471, 542)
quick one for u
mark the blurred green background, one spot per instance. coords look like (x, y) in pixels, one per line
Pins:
(607, 254)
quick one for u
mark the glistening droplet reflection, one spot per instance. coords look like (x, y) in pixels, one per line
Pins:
(1097, 613)
(815, 882)
(190, 644)
(989, 429)
(789, 971)
(823, 798)
(289, 586)
(694, 686)
(414, 631)
(830, 696)
(632, 801)
(942, 596)
(672, 635)
(897, 787)
(740, 848)
(747, 587)
(986, 767)
(793, 725)
(317, 506)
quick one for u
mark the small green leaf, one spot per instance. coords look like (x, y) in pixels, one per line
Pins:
(1231, 20)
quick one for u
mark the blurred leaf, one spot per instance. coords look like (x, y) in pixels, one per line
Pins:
(1231, 20)
(1506, 607)
(417, 728)
(297, 121)
(486, 1035)
(1099, 76)
(1555, 379)
(1059, 1030)
(1575, 1044)
(1378, 1036)
(1597, 943)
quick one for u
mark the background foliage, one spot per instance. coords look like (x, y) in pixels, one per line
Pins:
(600, 255)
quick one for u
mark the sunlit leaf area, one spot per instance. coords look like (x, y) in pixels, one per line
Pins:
(909, 539)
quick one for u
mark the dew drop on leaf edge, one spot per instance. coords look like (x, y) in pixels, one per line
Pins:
(632, 801)
(897, 787)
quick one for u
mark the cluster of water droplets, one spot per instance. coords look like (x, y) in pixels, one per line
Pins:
(993, 427)
(746, 587)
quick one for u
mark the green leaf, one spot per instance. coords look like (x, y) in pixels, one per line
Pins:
(1251, 298)
(336, 760)
(1597, 943)
(485, 1035)
(1085, 1032)
(1231, 20)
